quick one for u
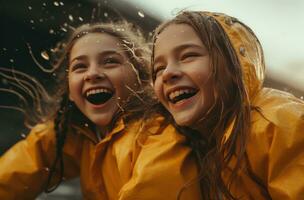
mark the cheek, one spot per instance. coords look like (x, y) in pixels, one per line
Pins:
(158, 89)
(74, 87)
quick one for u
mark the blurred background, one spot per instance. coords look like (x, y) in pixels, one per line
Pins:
(279, 24)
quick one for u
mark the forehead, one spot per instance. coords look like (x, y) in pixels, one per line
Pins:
(96, 41)
(175, 35)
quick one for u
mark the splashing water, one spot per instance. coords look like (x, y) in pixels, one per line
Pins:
(141, 14)
(71, 18)
(45, 55)
(51, 31)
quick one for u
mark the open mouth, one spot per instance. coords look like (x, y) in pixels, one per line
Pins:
(99, 96)
(182, 94)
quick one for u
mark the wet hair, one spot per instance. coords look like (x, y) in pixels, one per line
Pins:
(134, 44)
(231, 106)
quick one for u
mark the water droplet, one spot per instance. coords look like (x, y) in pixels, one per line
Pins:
(44, 4)
(65, 24)
(32, 21)
(30, 7)
(61, 3)
(45, 55)
(80, 19)
(4, 49)
(86, 125)
(47, 169)
(64, 29)
(33, 28)
(40, 20)
(105, 14)
(51, 31)
(141, 14)
(56, 3)
(11, 60)
(302, 97)
(54, 74)
(23, 135)
(71, 18)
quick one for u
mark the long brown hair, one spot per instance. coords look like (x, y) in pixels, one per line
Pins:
(231, 107)
(67, 113)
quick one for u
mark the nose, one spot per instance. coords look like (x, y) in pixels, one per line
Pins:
(94, 73)
(171, 74)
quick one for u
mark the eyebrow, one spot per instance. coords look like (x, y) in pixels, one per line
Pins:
(103, 53)
(180, 48)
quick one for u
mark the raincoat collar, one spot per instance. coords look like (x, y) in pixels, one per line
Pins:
(92, 135)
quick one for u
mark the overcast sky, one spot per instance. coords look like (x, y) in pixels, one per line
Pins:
(279, 24)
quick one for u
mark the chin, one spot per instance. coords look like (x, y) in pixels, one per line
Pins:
(183, 121)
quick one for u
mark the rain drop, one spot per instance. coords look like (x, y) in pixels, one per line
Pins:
(80, 19)
(11, 60)
(30, 7)
(40, 20)
(64, 29)
(23, 135)
(56, 3)
(86, 125)
(71, 18)
(45, 55)
(4, 49)
(302, 97)
(51, 31)
(44, 4)
(47, 169)
(105, 14)
(61, 3)
(141, 14)
(54, 74)
(32, 21)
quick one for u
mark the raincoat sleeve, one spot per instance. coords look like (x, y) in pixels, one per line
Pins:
(164, 165)
(276, 147)
(24, 167)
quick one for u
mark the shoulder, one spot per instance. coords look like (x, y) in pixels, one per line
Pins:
(278, 107)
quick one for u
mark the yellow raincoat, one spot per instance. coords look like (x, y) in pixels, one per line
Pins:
(153, 163)
(135, 161)
(276, 141)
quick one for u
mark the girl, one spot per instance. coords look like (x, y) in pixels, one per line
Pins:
(208, 71)
(98, 130)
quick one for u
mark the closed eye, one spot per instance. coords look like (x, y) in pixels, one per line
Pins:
(189, 56)
(112, 61)
(78, 66)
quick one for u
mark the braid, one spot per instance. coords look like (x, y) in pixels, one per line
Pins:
(61, 129)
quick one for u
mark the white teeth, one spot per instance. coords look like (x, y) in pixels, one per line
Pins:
(95, 91)
(176, 93)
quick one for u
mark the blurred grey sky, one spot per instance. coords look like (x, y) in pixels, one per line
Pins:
(279, 24)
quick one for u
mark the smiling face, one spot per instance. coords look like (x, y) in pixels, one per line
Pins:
(99, 74)
(182, 73)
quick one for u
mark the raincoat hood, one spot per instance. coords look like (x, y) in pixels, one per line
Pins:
(247, 49)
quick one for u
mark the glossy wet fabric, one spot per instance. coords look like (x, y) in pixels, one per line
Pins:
(138, 161)
(276, 141)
